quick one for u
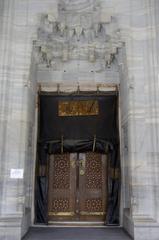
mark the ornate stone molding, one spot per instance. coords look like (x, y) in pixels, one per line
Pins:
(77, 34)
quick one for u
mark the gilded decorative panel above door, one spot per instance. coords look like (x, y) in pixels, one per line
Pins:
(78, 108)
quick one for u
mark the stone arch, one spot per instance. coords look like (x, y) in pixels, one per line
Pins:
(85, 38)
(80, 54)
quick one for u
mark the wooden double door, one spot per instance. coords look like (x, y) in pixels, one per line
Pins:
(77, 187)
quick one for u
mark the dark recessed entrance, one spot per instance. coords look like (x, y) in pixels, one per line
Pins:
(77, 178)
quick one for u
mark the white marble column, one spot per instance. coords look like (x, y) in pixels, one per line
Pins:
(19, 24)
(140, 37)
(17, 114)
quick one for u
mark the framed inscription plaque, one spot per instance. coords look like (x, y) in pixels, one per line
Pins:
(78, 108)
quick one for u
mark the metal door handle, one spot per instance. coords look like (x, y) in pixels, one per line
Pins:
(73, 163)
(82, 164)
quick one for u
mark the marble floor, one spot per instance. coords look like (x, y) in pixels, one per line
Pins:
(52, 233)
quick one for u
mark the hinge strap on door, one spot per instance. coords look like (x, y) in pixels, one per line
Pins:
(94, 143)
(61, 144)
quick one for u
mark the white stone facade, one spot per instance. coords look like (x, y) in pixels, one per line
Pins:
(103, 44)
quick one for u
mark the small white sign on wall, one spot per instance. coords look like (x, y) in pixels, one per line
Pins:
(16, 173)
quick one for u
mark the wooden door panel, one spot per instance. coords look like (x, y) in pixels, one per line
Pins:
(77, 187)
(92, 186)
(62, 187)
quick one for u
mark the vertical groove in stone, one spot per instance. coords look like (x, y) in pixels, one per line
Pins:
(6, 36)
(154, 6)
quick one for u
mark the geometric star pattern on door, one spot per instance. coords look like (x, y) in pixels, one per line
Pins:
(77, 187)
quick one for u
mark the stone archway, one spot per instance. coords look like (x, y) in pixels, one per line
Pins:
(138, 68)
(77, 55)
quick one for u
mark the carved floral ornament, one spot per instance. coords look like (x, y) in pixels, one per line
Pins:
(76, 36)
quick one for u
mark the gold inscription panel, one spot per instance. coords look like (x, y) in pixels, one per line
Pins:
(78, 108)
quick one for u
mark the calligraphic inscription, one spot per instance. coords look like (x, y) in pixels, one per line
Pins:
(78, 108)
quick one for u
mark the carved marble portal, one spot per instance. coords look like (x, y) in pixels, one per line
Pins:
(82, 34)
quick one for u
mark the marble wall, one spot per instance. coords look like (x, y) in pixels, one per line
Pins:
(136, 72)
